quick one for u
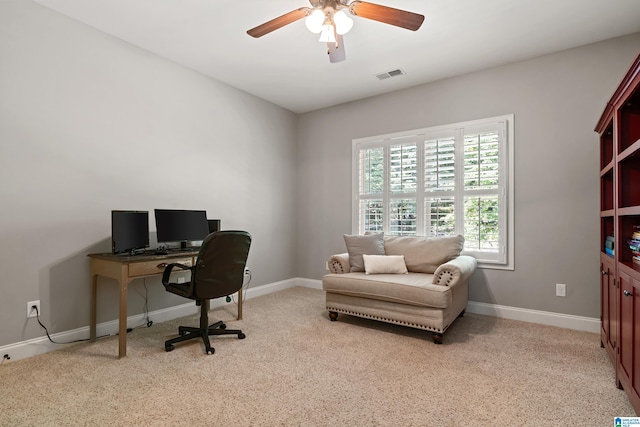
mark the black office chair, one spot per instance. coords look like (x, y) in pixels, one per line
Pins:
(218, 272)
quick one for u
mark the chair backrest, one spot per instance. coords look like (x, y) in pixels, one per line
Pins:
(219, 269)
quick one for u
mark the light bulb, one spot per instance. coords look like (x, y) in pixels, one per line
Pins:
(314, 21)
(327, 34)
(343, 22)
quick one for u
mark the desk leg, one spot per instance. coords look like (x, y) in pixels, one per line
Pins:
(122, 329)
(240, 304)
(94, 302)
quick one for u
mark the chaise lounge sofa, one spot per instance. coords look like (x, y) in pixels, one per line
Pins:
(412, 281)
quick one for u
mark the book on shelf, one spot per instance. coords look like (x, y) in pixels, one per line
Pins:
(634, 244)
(608, 243)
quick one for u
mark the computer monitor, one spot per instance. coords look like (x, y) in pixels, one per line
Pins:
(214, 225)
(182, 226)
(129, 231)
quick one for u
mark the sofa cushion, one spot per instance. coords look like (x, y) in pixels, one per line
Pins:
(412, 288)
(423, 254)
(381, 264)
(370, 244)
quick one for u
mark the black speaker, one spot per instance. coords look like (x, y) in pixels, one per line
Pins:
(214, 225)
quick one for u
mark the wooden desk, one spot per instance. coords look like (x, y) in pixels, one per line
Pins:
(125, 269)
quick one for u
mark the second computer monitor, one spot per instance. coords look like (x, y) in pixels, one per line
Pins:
(174, 225)
(214, 225)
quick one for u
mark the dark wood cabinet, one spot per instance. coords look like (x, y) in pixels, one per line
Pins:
(609, 308)
(619, 129)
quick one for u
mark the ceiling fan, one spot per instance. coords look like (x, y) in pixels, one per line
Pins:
(328, 18)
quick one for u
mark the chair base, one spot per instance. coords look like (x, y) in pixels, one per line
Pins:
(203, 332)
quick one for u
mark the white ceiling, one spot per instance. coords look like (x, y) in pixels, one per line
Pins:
(290, 68)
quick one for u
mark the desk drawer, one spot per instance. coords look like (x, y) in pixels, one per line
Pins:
(148, 268)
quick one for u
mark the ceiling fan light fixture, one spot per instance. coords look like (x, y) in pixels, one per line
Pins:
(314, 21)
(343, 22)
(327, 35)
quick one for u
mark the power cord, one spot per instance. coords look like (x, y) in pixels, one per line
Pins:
(245, 287)
(146, 305)
(148, 321)
(47, 331)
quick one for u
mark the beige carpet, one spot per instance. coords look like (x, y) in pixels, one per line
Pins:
(296, 368)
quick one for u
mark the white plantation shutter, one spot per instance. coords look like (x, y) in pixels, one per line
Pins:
(439, 164)
(403, 170)
(481, 160)
(455, 179)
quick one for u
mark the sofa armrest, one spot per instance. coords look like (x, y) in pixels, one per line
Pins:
(454, 271)
(339, 263)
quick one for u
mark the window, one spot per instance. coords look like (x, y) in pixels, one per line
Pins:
(453, 179)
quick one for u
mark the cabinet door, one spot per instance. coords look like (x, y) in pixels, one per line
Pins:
(608, 307)
(629, 340)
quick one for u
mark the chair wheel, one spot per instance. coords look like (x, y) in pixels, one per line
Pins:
(223, 326)
(211, 350)
(241, 336)
(168, 347)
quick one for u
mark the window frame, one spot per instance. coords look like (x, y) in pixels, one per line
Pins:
(505, 259)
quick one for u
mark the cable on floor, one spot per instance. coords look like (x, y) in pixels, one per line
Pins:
(49, 336)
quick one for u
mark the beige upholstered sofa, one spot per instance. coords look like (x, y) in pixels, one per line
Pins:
(430, 293)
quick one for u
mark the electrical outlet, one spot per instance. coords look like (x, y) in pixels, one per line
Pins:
(31, 312)
(561, 290)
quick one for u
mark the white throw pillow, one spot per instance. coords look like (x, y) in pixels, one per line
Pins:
(384, 264)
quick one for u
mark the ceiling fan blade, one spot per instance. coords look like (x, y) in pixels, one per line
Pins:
(278, 22)
(388, 15)
(336, 50)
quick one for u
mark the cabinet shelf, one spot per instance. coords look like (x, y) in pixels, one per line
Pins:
(632, 150)
(629, 211)
(608, 168)
(608, 257)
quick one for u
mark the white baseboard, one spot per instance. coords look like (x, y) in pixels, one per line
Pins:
(36, 346)
(567, 321)
(41, 345)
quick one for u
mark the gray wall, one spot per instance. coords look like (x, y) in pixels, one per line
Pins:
(88, 124)
(556, 99)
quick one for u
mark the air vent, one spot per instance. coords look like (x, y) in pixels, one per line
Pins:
(389, 74)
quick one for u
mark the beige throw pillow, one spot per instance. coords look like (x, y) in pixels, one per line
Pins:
(370, 244)
(384, 264)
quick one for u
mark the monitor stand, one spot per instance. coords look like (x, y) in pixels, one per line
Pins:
(183, 245)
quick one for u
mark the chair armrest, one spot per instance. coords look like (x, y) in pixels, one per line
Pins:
(455, 270)
(169, 268)
(339, 263)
